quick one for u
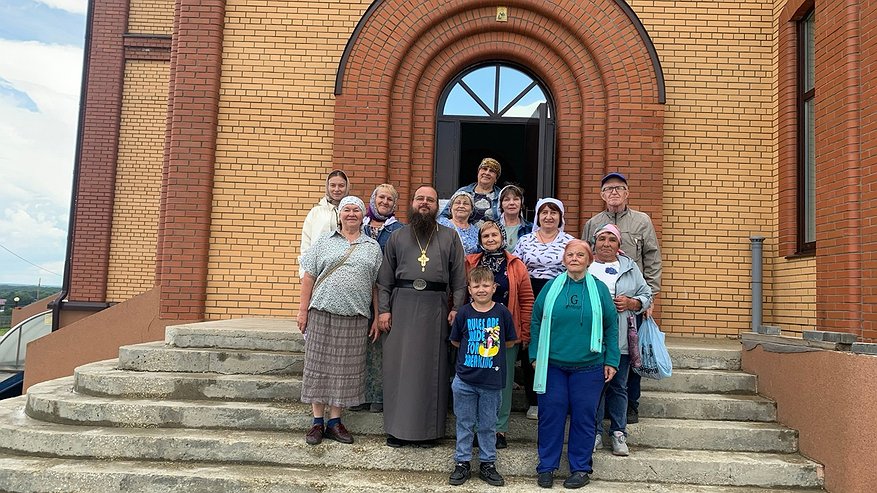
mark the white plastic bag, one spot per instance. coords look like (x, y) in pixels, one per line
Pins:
(656, 358)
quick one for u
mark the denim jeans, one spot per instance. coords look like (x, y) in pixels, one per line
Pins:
(615, 399)
(574, 392)
(475, 407)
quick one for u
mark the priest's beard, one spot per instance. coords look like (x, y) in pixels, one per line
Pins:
(423, 224)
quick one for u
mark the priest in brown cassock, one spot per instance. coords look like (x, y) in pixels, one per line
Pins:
(423, 264)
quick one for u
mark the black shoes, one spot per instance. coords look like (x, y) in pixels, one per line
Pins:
(632, 415)
(490, 475)
(395, 442)
(501, 441)
(461, 474)
(576, 480)
(545, 479)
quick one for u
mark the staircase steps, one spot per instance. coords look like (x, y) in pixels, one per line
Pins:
(37, 475)
(215, 408)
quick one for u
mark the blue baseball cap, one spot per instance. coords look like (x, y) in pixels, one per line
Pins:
(613, 175)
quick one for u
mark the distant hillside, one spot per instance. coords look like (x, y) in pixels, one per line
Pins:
(26, 295)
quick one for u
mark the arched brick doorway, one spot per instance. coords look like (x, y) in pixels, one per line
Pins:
(595, 59)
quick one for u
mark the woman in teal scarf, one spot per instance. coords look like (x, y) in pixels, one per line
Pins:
(574, 348)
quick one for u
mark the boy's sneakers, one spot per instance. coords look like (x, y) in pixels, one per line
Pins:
(462, 472)
(533, 412)
(619, 444)
(490, 475)
(598, 442)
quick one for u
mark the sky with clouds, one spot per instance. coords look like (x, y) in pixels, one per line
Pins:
(41, 43)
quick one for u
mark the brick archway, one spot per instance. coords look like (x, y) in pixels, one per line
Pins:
(594, 58)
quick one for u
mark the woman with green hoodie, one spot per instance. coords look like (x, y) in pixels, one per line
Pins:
(574, 348)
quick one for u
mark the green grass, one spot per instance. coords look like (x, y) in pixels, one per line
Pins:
(3, 331)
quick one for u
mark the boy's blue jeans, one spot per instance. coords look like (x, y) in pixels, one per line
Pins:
(475, 406)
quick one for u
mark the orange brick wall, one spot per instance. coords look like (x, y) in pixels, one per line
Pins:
(274, 147)
(790, 291)
(151, 16)
(718, 157)
(138, 180)
(275, 142)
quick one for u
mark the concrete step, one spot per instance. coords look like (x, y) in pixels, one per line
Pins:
(729, 407)
(704, 382)
(157, 356)
(262, 334)
(105, 379)
(704, 354)
(257, 334)
(28, 436)
(32, 475)
(53, 402)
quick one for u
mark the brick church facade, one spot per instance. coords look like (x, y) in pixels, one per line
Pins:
(208, 127)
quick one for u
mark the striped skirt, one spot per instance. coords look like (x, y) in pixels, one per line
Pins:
(334, 371)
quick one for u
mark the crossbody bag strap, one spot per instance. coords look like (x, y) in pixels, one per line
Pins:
(336, 266)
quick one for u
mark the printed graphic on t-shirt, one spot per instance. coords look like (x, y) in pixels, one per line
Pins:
(484, 342)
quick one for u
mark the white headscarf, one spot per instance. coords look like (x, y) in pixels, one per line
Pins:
(550, 200)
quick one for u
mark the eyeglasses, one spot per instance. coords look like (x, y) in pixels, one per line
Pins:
(619, 189)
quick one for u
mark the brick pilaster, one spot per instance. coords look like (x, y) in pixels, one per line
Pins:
(102, 100)
(188, 176)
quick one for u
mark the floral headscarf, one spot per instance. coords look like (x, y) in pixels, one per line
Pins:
(462, 193)
(493, 259)
(372, 211)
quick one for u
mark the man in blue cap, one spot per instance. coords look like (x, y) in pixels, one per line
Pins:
(639, 242)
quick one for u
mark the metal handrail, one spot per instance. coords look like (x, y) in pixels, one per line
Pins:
(16, 332)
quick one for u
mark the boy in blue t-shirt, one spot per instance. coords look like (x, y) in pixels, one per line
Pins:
(482, 331)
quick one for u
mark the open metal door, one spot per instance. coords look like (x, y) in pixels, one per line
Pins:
(447, 157)
(545, 176)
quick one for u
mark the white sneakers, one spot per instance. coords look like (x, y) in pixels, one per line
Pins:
(533, 412)
(619, 444)
(598, 442)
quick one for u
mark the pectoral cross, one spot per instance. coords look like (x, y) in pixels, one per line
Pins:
(423, 259)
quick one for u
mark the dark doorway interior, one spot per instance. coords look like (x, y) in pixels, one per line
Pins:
(514, 144)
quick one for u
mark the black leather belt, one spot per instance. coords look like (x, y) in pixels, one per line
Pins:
(421, 285)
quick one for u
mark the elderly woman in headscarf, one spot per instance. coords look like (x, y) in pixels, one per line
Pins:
(379, 223)
(542, 253)
(632, 297)
(323, 217)
(337, 291)
(461, 205)
(512, 290)
(484, 192)
(574, 349)
(511, 209)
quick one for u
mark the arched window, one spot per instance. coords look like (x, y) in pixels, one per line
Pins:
(495, 91)
(500, 110)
